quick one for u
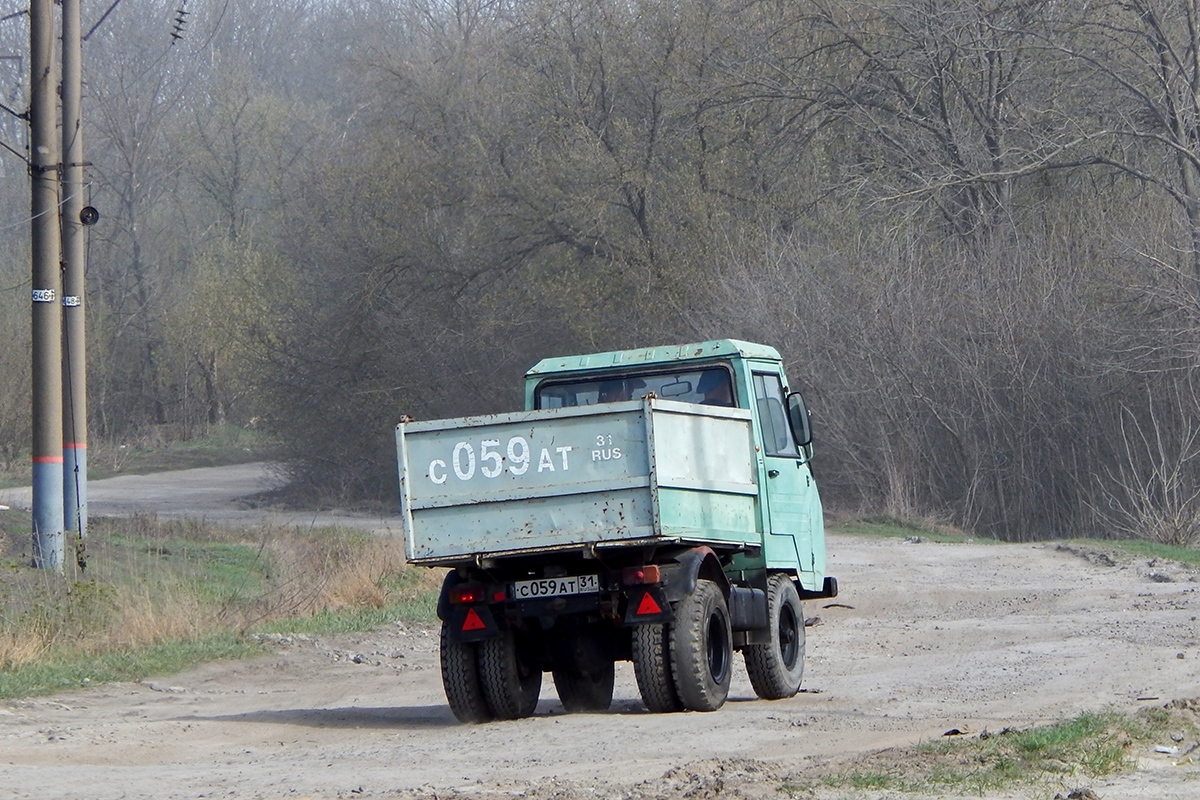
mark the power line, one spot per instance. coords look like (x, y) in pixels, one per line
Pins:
(100, 21)
(26, 220)
(14, 151)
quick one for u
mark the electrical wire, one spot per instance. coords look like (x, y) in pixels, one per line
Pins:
(14, 151)
(100, 21)
(16, 286)
(29, 220)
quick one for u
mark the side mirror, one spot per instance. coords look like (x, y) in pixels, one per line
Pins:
(798, 419)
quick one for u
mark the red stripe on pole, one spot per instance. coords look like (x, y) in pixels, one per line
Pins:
(74, 445)
(47, 459)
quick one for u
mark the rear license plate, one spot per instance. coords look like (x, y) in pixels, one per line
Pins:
(555, 587)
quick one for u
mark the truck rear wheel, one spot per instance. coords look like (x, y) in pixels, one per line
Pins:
(511, 684)
(777, 668)
(652, 667)
(583, 667)
(585, 691)
(702, 648)
(460, 679)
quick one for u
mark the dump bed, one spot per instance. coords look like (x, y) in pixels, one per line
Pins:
(609, 475)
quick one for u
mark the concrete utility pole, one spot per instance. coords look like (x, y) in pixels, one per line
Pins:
(74, 255)
(47, 289)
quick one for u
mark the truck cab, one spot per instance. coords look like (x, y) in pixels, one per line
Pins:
(723, 373)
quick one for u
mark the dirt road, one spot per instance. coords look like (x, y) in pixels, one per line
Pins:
(215, 494)
(925, 637)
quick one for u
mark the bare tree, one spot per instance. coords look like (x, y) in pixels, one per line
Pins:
(1153, 492)
(939, 96)
(1135, 70)
(131, 112)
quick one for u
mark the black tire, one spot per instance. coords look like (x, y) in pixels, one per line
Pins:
(511, 684)
(652, 667)
(585, 691)
(460, 679)
(777, 668)
(702, 648)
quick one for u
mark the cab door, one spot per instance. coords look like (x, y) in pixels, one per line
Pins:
(791, 501)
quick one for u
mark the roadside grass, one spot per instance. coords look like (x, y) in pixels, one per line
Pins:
(1152, 550)
(157, 596)
(1089, 746)
(889, 527)
(886, 527)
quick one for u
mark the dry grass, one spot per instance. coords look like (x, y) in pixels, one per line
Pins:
(342, 571)
(151, 581)
(20, 647)
(89, 618)
(141, 619)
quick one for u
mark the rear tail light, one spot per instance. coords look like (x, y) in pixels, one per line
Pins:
(632, 576)
(467, 594)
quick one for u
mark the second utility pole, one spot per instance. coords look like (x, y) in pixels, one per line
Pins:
(74, 257)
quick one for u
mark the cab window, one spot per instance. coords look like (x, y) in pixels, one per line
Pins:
(772, 416)
(706, 385)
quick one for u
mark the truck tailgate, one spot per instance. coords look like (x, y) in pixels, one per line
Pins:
(597, 476)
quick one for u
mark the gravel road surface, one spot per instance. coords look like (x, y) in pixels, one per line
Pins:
(925, 637)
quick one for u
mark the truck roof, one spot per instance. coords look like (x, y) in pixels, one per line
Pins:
(654, 355)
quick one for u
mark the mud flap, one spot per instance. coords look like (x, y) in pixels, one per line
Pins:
(828, 590)
(647, 603)
(471, 624)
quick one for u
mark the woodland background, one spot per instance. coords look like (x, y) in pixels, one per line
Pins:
(972, 228)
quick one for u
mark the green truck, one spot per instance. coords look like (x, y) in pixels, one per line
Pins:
(654, 506)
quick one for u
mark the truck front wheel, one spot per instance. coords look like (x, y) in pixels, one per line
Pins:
(511, 684)
(460, 679)
(702, 648)
(777, 667)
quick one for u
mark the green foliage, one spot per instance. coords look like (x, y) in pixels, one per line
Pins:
(227, 308)
(1091, 745)
(1183, 555)
(220, 574)
(66, 672)
(1092, 740)
(13, 524)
